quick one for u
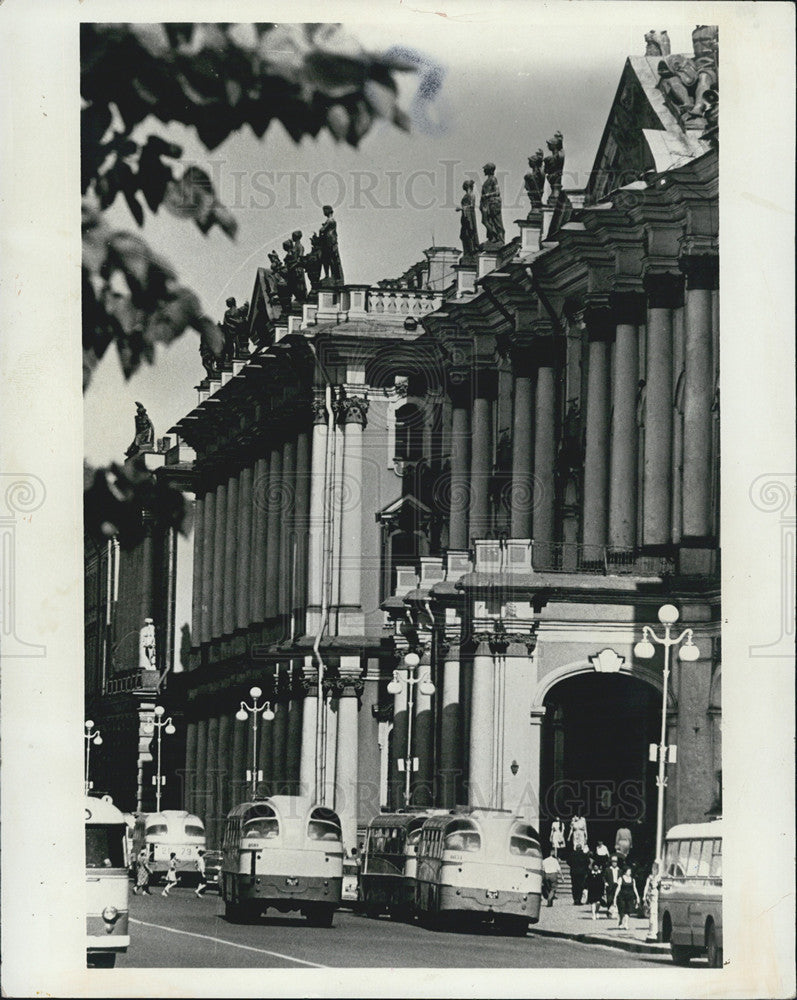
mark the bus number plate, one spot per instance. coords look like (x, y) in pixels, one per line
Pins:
(291, 881)
(491, 893)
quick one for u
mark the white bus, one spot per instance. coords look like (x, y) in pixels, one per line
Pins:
(690, 894)
(106, 882)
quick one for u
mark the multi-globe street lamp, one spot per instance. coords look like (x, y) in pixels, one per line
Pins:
(161, 726)
(411, 663)
(92, 737)
(242, 715)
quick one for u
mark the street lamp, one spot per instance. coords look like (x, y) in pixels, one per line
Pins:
(242, 715)
(411, 662)
(644, 649)
(161, 725)
(91, 735)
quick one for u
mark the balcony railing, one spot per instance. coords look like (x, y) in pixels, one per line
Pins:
(522, 555)
(135, 680)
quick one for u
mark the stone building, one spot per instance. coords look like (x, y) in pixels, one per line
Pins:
(504, 464)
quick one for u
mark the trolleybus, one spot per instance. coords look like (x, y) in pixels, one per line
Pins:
(107, 884)
(283, 852)
(171, 831)
(389, 863)
(479, 864)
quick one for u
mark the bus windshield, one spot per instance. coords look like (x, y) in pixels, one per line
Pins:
(524, 841)
(263, 827)
(105, 845)
(463, 836)
(191, 830)
(157, 830)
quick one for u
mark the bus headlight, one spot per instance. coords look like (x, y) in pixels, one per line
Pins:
(110, 914)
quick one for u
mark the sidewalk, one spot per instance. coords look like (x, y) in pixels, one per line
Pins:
(564, 920)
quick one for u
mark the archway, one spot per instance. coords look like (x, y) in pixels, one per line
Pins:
(595, 756)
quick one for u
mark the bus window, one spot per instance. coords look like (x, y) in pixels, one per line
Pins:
(693, 858)
(412, 841)
(191, 830)
(523, 840)
(261, 828)
(157, 830)
(715, 869)
(324, 825)
(105, 846)
(704, 864)
(462, 836)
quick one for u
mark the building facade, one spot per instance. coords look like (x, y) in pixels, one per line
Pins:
(502, 462)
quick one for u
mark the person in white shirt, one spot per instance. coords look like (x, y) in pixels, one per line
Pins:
(551, 872)
(203, 882)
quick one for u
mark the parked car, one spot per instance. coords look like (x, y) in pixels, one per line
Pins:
(213, 867)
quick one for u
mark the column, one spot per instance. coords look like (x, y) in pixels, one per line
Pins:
(460, 469)
(398, 796)
(293, 751)
(596, 464)
(301, 522)
(212, 780)
(265, 738)
(208, 548)
(423, 738)
(279, 729)
(522, 449)
(316, 514)
(307, 764)
(220, 528)
(257, 588)
(196, 588)
(482, 735)
(230, 557)
(330, 741)
(238, 791)
(288, 537)
(701, 279)
(450, 747)
(346, 797)
(353, 416)
(224, 772)
(629, 312)
(243, 548)
(518, 784)
(544, 455)
(537, 717)
(200, 786)
(190, 767)
(147, 571)
(276, 513)
(676, 505)
(481, 462)
(664, 295)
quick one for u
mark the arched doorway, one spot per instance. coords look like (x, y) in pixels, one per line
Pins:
(595, 756)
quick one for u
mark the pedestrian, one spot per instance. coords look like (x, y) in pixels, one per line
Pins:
(602, 854)
(623, 842)
(595, 887)
(626, 897)
(143, 872)
(551, 873)
(577, 835)
(579, 865)
(171, 874)
(203, 880)
(557, 837)
(611, 876)
(650, 897)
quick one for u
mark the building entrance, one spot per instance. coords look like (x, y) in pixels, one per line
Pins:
(596, 734)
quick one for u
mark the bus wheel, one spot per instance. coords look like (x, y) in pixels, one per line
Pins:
(713, 950)
(320, 916)
(681, 953)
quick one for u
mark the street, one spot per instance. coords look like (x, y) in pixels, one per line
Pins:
(182, 931)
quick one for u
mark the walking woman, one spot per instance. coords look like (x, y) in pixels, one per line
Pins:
(143, 872)
(171, 875)
(626, 897)
(557, 837)
(595, 887)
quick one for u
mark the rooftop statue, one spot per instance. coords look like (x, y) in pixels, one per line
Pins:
(145, 434)
(279, 273)
(535, 181)
(690, 82)
(294, 268)
(657, 43)
(555, 165)
(233, 326)
(468, 232)
(330, 255)
(296, 237)
(490, 207)
(312, 261)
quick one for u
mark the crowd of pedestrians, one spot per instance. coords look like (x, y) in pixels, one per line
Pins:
(610, 880)
(141, 872)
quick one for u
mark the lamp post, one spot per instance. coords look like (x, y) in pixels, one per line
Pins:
(411, 662)
(644, 649)
(242, 715)
(91, 736)
(161, 726)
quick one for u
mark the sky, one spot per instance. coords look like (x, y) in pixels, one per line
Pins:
(508, 84)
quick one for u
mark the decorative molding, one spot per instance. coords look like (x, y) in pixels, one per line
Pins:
(353, 409)
(607, 661)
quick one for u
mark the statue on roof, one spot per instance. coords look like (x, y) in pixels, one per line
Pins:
(535, 181)
(468, 233)
(312, 261)
(657, 43)
(330, 254)
(294, 271)
(690, 82)
(234, 330)
(144, 440)
(280, 277)
(490, 207)
(555, 165)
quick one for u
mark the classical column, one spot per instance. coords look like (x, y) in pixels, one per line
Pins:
(238, 767)
(220, 527)
(701, 279)
(664, 295)
(301, 523)
(522, 447)
(330, 739)
(243, 548)
(450, 746)
(196, 589)
(536, 718)
(482, 735)
(200, 786)
(517, 781)
(423, 738)
(596, 465)
(230, 556)
(288, 537)
(276, 514)
(147, 570)
(208, 548)
(678, 423)
(316, 518)
(353, 415)
(190, 767)
(481, 462)
(265, 739)
(224, 772)
(630, 315)
(280, 734)
(257, 589)
(460, 467)
(293, 750)
(399, 748)
(346, 776)
(307, 765)
(212, 779)
(544, 455)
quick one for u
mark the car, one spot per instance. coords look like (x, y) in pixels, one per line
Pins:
(213, 867)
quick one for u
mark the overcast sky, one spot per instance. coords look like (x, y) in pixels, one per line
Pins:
(507, 85)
